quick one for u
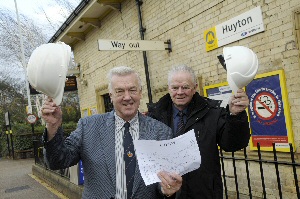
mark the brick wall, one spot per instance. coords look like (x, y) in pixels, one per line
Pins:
(183, 22)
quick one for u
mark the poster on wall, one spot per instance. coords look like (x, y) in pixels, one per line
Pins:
(84, 112)
(219, 91)
(93, 110)
(269, 114)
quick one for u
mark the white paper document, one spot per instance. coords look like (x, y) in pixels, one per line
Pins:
(180, 155)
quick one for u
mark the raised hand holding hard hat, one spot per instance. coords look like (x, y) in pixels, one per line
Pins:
(47, 69)
(241, 65)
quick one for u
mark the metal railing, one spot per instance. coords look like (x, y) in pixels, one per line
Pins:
(233, 174)
(253, 179)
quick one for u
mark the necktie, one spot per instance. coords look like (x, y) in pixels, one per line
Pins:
(129, 158)
(180, 127)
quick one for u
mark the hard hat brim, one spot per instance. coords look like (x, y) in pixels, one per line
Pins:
(231, 83)
(58, 99)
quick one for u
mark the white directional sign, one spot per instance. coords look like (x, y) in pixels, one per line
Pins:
(131, 45)
(244, 25)
(6, 118)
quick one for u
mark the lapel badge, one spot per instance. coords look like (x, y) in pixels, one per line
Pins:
(129, 154)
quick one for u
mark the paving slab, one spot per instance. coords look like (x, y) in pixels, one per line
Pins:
(17, 181)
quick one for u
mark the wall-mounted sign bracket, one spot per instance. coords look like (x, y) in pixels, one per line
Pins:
(169, 45)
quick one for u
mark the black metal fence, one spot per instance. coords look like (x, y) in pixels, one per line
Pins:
(242, 182)
(239, 180)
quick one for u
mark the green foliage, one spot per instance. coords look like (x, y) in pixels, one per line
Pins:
(21, 128)
(69, 127)
(3, 146)
(22, 136)
(23, 142)
(13, 101)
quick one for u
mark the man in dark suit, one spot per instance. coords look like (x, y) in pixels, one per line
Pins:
(99, 141)
(184, 109)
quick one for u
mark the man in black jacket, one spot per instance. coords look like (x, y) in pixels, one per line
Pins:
(184, 109)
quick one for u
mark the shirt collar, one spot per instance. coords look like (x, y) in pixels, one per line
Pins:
(176, 110)
(120, 122)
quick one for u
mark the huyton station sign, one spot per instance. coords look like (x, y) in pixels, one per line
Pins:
(237, 28)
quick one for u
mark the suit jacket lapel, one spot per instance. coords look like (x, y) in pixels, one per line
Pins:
(109, 150)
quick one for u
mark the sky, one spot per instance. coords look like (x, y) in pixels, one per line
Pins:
(33, 10)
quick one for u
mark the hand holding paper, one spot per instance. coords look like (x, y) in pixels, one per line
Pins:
(179, 155)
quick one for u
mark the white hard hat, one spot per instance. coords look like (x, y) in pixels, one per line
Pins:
(241, 65)
(47, 69)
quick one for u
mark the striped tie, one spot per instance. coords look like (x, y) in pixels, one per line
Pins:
(180, 127)
(129, 158)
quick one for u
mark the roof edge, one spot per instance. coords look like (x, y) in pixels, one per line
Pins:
(69, 20)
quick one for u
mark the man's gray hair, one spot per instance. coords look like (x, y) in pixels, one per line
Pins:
(122, 71)
(181, 68)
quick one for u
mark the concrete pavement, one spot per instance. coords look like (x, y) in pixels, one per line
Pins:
(17, 181)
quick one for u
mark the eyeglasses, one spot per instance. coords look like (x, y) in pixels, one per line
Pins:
(183, 88)
(121, 92)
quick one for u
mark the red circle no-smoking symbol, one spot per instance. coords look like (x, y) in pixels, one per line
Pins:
(265, 106)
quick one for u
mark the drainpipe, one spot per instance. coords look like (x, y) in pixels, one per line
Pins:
(142, 30)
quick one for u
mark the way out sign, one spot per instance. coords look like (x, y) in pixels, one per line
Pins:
(131, 45)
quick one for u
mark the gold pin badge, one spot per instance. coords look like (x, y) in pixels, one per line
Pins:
(129, 154)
